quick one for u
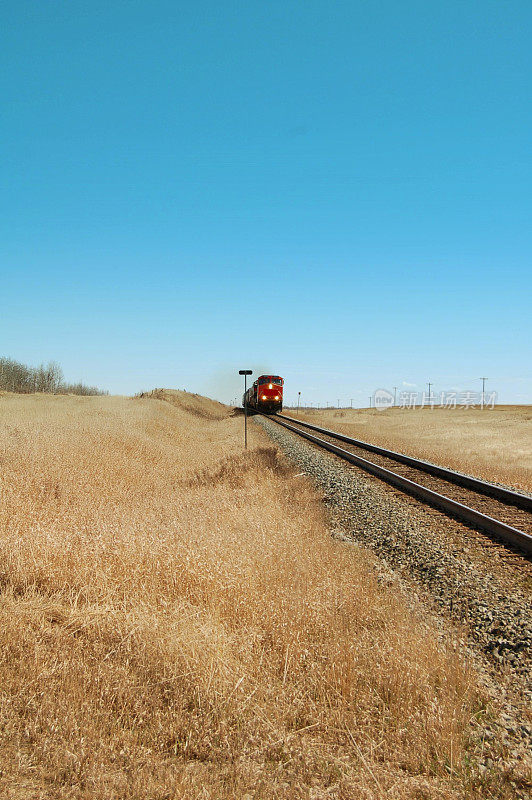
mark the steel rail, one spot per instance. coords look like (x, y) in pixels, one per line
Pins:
(466, 481)
(464, 513)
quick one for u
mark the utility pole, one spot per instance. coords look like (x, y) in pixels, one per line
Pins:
(351, 402)
(483, 388)
(370, 401)
(430, 384)
(338, 403)
(394, 394)
(298, 399)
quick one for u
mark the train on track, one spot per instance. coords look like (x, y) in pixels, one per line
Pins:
(265, 395)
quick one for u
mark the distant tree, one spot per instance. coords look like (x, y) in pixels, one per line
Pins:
(14, 377)
(79, 388)
(17, 377)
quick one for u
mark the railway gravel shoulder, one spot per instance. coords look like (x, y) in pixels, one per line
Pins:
(455, 571)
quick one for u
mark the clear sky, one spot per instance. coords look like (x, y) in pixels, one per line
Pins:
(338, 192)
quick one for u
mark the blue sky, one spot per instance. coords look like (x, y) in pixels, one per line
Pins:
(338, 192)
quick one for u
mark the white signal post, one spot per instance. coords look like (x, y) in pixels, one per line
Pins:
(245, 373)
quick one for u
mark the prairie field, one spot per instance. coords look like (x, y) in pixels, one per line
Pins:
(493, 444)
(177, 622)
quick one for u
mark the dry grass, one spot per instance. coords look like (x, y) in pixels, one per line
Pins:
(176, 622)
(194, 404)
(494, 444)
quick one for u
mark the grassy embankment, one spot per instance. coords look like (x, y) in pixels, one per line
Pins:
(493, 444)
(176, 622)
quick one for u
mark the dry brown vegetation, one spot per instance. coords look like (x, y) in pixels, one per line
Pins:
(194, 404)
(493, 444)
(177, 622)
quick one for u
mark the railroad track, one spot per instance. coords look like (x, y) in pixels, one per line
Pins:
(500, 512)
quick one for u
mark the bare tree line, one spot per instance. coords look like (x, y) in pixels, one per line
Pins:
(17, 377)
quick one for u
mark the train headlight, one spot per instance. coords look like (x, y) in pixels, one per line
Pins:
(270, 386)
(276, 396)
(264, 397)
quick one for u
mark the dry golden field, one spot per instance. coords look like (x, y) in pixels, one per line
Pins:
(493, 444)
(177, 622)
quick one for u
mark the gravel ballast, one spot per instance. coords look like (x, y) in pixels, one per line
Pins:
(479, 586)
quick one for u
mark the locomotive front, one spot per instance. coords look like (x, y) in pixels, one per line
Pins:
(269, 397)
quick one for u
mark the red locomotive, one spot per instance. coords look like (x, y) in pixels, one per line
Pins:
(266, 395)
